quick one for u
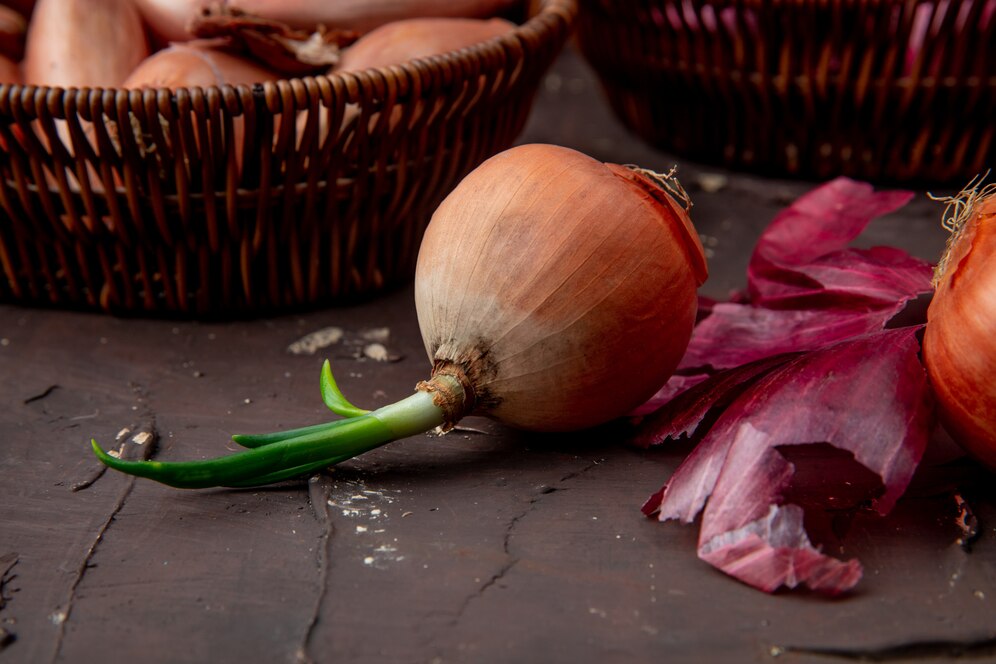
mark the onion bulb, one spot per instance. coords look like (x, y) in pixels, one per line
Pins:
(13, 27)
(560, 289)
(10, 72)
(170, 20)
(401, 41)
(553, 293)
(959, 345)
(196, 64)
(83, 43)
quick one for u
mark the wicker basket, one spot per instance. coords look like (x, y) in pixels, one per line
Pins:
(900, 90)
(234, 201)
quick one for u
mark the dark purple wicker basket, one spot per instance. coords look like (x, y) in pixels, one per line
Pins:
(876, 89)
(233, 201)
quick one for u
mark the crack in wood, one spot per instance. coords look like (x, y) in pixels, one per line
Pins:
(41, 395)
(512, 561)
(581, 471)
(967, 649)
(319, 494)
(7, 562)
(543, 490)
(61, 616)
(139, 446)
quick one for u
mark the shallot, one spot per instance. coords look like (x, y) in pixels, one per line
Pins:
(13, 27)
(170, 20)
(959, 346)
(9, 71)
(83, 43)
(193, 64)
(553, 292)
(401, 41)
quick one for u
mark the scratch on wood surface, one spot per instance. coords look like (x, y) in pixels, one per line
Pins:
(140, 446)
(319, 493)
(41, 395)
(984, 647)
(510, 559)
(7, 562)
(581, 471)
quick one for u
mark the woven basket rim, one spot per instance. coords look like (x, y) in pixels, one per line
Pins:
(539, 25)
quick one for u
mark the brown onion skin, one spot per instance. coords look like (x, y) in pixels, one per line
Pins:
(959, 345)
(401, 41)
(83, 43)
(562, 288)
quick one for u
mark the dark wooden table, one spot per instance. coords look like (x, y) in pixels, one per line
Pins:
(483, 545)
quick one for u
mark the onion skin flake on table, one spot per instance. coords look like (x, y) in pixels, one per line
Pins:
(816, 364)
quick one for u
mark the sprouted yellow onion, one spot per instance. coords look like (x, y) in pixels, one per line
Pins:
(553, 292)
(563, 288)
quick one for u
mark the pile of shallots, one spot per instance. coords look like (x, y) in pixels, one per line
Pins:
(136, 44)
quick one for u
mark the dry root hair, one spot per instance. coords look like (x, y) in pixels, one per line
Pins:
(666, 181)
(958, 210)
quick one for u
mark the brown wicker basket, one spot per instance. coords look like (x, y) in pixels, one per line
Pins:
(233, 201)
(878, 89)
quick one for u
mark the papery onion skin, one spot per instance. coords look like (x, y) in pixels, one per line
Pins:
(83, 43)
(562, 289)
(401, 41)
(959, 346)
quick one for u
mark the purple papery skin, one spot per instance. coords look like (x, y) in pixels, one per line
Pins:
(821, 222)
(850, 278)
(867, 396)
(676, 385)
(735, 334)
(800, 359)
(806, 288)
(802, 260)
(683, 414)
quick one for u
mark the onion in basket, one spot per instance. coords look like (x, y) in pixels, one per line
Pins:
(401, 41)
(83, 43)
(170, 19)
(193, 64)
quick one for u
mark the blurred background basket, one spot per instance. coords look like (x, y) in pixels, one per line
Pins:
(233, 201)
(899, 90)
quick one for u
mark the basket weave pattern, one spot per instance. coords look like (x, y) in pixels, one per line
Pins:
(227, 201)
(878, 89)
